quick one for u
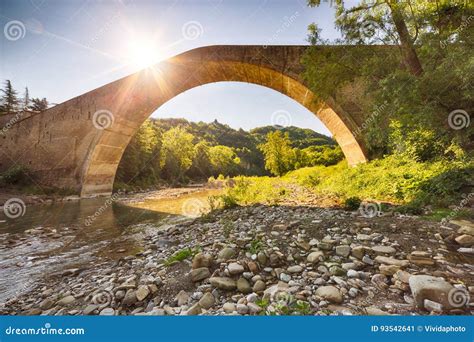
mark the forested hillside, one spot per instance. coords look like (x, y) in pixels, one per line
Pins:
(178, 151)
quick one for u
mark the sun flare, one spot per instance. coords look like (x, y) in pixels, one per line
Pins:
(143, 54)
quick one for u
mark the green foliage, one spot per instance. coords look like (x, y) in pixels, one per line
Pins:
(279, 156)
(264, 190)
(17, 175)
(256, 246)
(177, 153)
(412, 89)
(154, 155)
(394, 179)
(9, 102)
(181, 255)
(223, 160)
(352, 203)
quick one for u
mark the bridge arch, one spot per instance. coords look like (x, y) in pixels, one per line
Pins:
(97, 150)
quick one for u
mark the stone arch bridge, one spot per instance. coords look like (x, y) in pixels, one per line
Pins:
(78, 144)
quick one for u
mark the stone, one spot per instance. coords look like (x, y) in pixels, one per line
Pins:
(202, 260)
(373, 311)
(46, 304)
(465, 240)
(223, 283)
(325, 246)
(130, 298)
(466, 230)
(182, 298)
(391, 261)
(226, 254)
(384, 250)
(229, 307)
(330, 293)
(242, 309)
(389, 269)
(421, 258)
(207, 301)
(403, 276)
(285, 277)
(343, 250)
(295, 269)
(142, 292)
(253, 267)
(107, 312)
(359, 252)
(380, 281)
(315, 257)
(259, 286)
(199, 274)
(352, 274)
(243, 285)
(337, 271)
(66, 300)
(254, 308)
(466, 250)
(194, 310)
(262, 258)
(432, 288)
(367, 260)
(432, 306)
(90, 309)
(235, 268)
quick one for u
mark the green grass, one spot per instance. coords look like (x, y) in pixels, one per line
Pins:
(181, 255)
(392, 179)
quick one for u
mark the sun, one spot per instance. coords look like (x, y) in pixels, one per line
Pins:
(143, 54)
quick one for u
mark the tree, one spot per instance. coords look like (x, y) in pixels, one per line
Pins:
(201, 164)
(279, 156)
(381, 19)
(26, 100)
(9, 100)
(436, 77)
(178, 153)
(39, 105)
(140, 163)
(224, 160)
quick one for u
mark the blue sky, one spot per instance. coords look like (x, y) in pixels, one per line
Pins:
(73, 46)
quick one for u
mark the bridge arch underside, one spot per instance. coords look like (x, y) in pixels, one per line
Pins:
(136, 97)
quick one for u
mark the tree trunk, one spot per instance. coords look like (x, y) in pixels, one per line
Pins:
(408, 50)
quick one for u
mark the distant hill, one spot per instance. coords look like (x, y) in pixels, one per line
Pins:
(222, 134)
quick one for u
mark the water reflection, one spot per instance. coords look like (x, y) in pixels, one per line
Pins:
(52, 238)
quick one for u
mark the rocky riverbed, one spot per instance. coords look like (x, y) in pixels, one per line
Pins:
(265, 260)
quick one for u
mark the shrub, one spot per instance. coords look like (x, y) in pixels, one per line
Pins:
(352, 203)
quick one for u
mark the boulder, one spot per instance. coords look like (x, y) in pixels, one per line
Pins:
(226, 254)
(330, 293)
(433, 288)
(200, 274)
(202, 260)
(223, 283)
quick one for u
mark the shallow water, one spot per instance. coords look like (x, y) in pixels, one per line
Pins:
(49, 239)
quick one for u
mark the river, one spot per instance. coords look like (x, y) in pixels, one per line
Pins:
(66, 236)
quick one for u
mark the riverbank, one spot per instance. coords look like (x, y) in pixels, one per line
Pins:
(285, 259)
